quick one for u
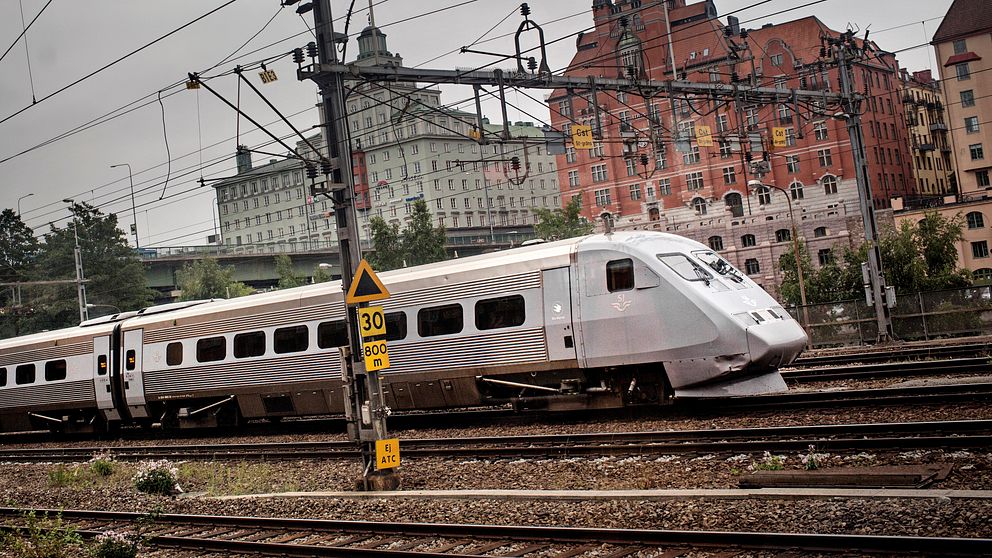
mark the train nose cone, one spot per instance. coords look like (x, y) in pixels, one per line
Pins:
(775, 344)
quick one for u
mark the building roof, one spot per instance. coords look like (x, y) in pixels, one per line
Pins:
(964, 18)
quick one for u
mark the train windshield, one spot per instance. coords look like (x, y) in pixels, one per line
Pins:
(721, 266)
(690, 270)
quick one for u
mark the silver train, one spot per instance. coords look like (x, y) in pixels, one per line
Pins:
(598, 321)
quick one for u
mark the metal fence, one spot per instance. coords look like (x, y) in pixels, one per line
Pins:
(917, 316)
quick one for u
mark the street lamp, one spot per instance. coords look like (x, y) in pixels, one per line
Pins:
(78, 255)
(134, 212)
(88, 306)
(19, 202)
(756, 185)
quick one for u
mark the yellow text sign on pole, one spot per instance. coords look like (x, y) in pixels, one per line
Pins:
(387, 453)
(371, 321)
(582, 137)
(376, 355)
(778, 137)
(703, 136)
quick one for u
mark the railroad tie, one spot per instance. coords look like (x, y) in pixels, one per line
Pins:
(625, 551)
(487, 548)
(577, 551)
(526, 550)
(376, 543)
(413, 544)
(449, 546)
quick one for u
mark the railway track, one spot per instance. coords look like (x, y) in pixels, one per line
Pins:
(315, 537)
(902, 353)
(843, 437)
(972, 365)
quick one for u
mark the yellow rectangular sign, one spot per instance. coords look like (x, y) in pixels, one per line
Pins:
(582, 137)
(778, 137)
(387, 453)
(376, 355)
(703, 136)
(371, 321)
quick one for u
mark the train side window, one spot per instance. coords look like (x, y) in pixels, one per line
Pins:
(55, 370)
(3, 377)
(620, 275)
(395, 326)
(440, 320)
(494, 313)
(101, 365)
(249, 344)
(24, 374)
(130, 359)
(331, 335)
(291, 339)
(174, 354)
(211, 349)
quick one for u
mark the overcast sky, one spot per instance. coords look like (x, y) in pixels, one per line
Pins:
(72, 38)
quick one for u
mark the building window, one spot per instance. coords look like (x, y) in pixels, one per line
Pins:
(620, 275)
(960, 46)
(819, 232)
(694, 180)
(962, 71)
(440, 320)
(983, 274)
(829, 184)
(748, 241)
(699, 205)
(715, 242)
(820, 130)
(824, 256)
(982, 177)
(599, 173)
(735, 203)
(635, 191)
(692, 156)
(980, 249)
(796, 190)
(729, 175)
(776, 59)
(976, 151)
(603, 197)
(971, 124)
(792, 163)
(631, 167)
(826, 158)
(495, 313)
(726, 151)
(751, 266)
(783, 235)
(968, 98)
(664, 187)
(975, 220)
(764, 196)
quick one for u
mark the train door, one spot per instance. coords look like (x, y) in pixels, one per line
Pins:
(558, 314)
(134, 389)
(102, 363)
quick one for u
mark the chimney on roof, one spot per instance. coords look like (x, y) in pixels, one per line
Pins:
(735, 25)
(243, 158)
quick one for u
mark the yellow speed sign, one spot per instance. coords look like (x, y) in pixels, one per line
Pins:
(376, 355)
(371, 321)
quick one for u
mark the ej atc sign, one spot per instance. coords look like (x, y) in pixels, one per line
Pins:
(387, 453)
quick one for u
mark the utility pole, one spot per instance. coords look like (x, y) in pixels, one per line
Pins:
(846, 50)
(364, 405)
(80, 283)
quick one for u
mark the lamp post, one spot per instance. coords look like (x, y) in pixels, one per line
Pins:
(134, 211)
(88, 306)
(78, 256)
(19, 202)
(757, 184)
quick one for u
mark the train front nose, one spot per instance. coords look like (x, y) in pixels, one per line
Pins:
(775, 344)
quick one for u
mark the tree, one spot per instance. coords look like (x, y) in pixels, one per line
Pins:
(420, 242)
(320, 275)
(18, 250)
(388, 250)
(205, 279)
(287, 275)
(563, 223)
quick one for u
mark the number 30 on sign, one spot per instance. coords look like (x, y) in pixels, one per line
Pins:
(376, 355)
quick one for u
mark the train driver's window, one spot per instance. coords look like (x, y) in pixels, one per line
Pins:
(24, 374)
(291, 339)
(440, 320)
(686, 268)
(174, 354)
(211, 349)
(395, 326)
(129, 360)
(55, 370)
(3, 377)
(494, 313)
(331, 335)
(249, 344)
(620, 275)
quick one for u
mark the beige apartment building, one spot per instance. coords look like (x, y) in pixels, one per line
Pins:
(928, 132)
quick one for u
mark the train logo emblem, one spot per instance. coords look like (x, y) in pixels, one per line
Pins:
(556, 308)
(622, 304)
(749, 301)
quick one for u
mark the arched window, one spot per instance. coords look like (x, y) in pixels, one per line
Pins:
(783, 235)
(699, 204)
(716, 242)
(751, 266)
(983, 274)
(829, 184)
(654, 214)
(819, 232)
(976, 220)
(764, 195)
(748, 240)
(796, 190)
(735, 203)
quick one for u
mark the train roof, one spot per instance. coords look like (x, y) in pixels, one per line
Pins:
(53, 337)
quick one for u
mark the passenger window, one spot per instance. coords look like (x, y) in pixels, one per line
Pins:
(686, 268)
(24, 374)
(620, 275)
(331, 335)
(249, 344)
(494, 313)
(101, 365)
(3, 377)
(211, 349)
(129, 359)
(395, 326)
(174, 354)
(291, 339)
(440, 320)
(55, 370)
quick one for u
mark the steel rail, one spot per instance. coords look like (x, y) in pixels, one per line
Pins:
(904, 353)
(890, 369)
(221, 534)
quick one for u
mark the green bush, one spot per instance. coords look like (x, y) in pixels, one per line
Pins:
(43, 538)
(112, 544)
(157, 477)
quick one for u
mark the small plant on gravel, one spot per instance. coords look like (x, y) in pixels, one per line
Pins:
(43, 538)
(62, 476)
(812, 460)
(157, 477)
(769, 462)
(102, 464)
(113, 544)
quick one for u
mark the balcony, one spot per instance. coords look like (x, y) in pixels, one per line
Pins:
(923, 146)
(627, 130)
(938, 127)
(908, 98)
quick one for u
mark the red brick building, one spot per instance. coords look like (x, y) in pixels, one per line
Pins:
(635, 169)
